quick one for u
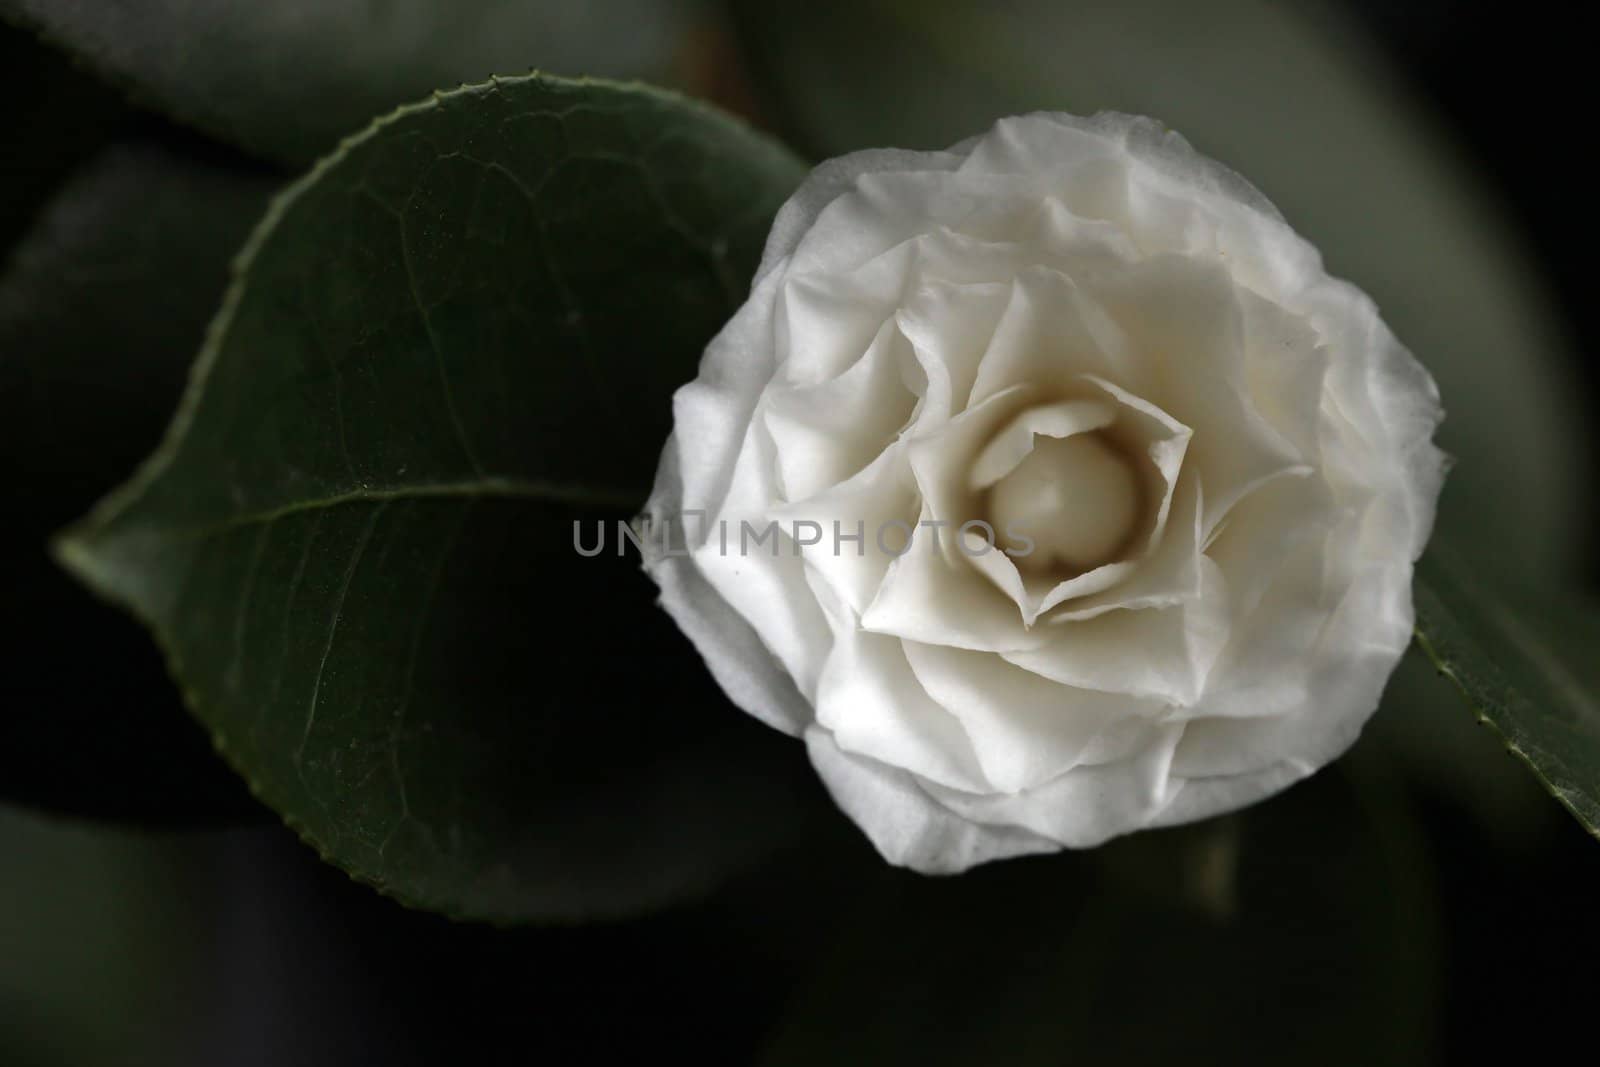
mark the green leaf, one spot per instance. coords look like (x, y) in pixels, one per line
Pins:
(103, 304)
(450, 341)
(1302, 106)
(287, 79)
(1328, 956)
(1527, 664)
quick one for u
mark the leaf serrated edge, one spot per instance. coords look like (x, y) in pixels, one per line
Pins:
(173, 663)
(1584, 811)
(110, 506)
(135, 92)
(70, 546)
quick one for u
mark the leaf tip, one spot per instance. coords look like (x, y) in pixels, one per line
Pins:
(70, 550)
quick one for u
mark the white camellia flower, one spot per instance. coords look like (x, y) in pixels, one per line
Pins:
(1164, 481)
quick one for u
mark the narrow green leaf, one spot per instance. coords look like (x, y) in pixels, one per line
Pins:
(103, 303)
(1529, 665)
(287, 79)
(450, 341)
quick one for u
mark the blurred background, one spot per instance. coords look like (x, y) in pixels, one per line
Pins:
(1423, 901)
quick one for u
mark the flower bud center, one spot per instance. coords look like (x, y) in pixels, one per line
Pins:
(1078, 499)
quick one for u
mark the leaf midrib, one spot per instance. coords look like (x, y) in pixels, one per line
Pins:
(493, 487)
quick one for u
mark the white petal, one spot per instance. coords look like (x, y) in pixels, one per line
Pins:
(1285, 368)
(927, 596)
(1150, 180)
(1274, 521)
(1169, 573)
(1341, 679)
(1023, 728)
(884, 209)
(1014, 442)
(1389, 407)
(1042, 143)
(933, 592)
(750, 675)
(906, 825)
(1050, 336)
(874, 706)
(1168, 576)
(825, 324)
(1166, 570)
(826, 320)
(1097, 178)
(851, 516)
(711, 418)
(950, 326)
(1194, 799)
(1161, 654)
(1183, 323)
(826, 183)
(1035, 595)
(1088, 805)
(765, 583)
(824, 434)
(711, 414)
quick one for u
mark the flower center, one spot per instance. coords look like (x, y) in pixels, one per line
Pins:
(1078, 499)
